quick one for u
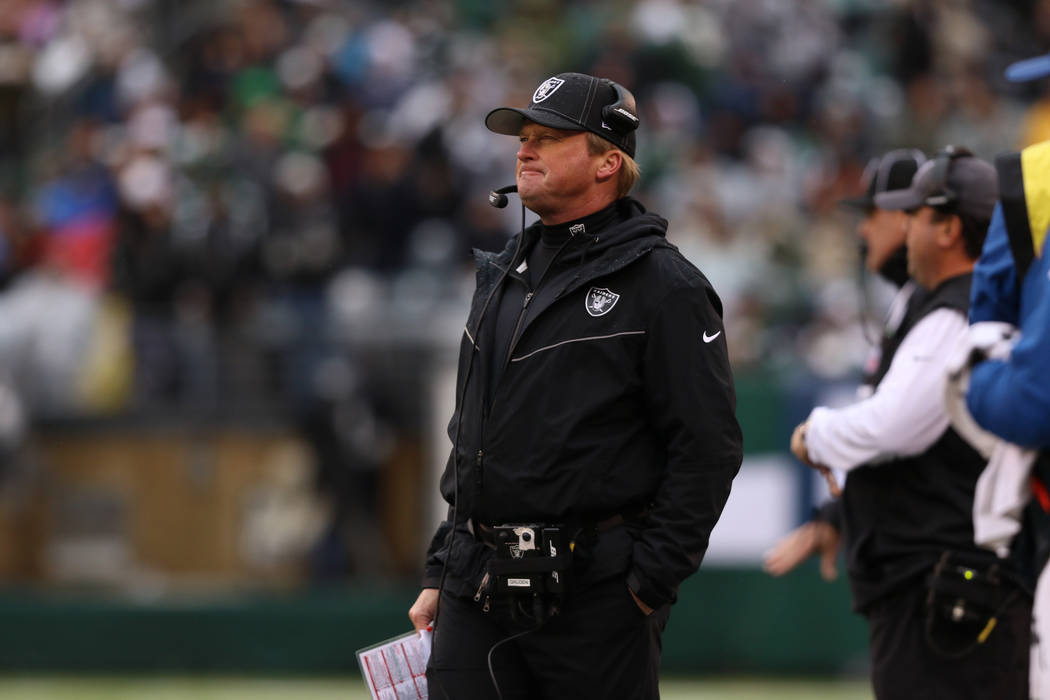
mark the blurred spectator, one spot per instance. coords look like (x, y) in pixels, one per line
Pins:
(224, 169)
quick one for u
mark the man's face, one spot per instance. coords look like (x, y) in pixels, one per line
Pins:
(555, 171)
(884, 232)
(923, 249)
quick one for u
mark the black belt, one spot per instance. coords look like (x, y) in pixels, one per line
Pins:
(487, 533)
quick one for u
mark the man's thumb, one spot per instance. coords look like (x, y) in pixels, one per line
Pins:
(828, 570)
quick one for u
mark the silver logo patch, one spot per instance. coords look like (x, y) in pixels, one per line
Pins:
(547, 88)
(600, 301)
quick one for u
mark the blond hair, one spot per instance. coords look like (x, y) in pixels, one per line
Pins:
(629, 170)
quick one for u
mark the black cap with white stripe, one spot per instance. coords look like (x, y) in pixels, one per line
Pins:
(575, 102)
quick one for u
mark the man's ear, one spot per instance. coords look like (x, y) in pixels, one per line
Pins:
(610, 165)
(951, 233)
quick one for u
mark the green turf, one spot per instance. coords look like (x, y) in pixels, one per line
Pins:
(182, 688)
(764, 689)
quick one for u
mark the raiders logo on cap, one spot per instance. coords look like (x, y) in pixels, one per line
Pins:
(546, 89)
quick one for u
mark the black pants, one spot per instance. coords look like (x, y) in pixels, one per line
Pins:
(906, 663)
(599, 646)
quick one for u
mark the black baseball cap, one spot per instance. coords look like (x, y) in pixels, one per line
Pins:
(965, 183)
(891, 171)
(575, 102)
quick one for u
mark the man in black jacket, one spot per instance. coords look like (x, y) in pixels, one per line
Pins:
(594, 398)
(947, 619)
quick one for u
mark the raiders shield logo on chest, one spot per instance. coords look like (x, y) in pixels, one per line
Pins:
(601, 300)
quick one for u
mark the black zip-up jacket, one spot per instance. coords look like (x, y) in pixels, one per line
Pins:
(616, 396)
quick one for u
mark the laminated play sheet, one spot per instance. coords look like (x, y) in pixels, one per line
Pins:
(395, 669)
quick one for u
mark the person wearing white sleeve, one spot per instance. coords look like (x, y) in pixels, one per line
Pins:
(880, 235)
(946, 618)
(903, 417)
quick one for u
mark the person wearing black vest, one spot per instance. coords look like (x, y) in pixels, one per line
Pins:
(947, 619)
(594, 438)
(884, 253)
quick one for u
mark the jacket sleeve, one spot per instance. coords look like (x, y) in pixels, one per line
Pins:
(692, 404)
(830, 512)
(437, 553)
(994, 295)
(1011, 397)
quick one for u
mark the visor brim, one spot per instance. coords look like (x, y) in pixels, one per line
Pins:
(510, 120)
(899, 199)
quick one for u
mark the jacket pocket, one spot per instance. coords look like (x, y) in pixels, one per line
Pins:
(466, 566)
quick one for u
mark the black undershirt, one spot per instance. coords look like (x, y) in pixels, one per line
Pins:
(553, 238)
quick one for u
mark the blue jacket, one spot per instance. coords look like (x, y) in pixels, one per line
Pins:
(1011, 398)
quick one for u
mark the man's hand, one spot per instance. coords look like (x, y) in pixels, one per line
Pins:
(801, 451)
(798, 443)
(423, 610)
(797, 546)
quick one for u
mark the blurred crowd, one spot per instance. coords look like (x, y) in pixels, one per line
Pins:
(211, 206)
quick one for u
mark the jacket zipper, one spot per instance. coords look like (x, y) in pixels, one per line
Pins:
(483, 590)
(517, 328)
(528, 298)
(479, 457)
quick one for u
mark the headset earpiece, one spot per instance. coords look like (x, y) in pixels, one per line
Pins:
(620, 115)
(942, 163)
